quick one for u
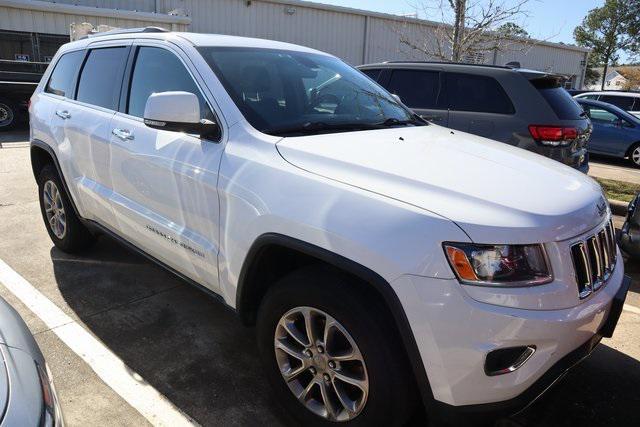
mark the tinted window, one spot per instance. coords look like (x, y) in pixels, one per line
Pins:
(416, 88)
(565, 107)
(158, 70)
(372, 73)
(101, 77)
(624, 102)
(482, 94)
(61, 81)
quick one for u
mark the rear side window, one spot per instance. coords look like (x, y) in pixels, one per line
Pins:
(416, 88)
(158, 70)
(101, 77)
(61, 80)
(565, 107)
(483, 94)
(372, 73)
(624, 102)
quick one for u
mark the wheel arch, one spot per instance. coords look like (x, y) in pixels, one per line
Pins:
(41, 155)
(631, 148)
(260, 261)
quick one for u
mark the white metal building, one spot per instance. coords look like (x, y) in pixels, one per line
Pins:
(357, 36)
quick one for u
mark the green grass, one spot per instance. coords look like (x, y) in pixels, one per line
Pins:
(618, 190)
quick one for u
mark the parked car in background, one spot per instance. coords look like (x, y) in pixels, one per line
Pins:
(18, 80)
(524, 108)
(615, 133)
(27, 394)
(626, 100)
(630, 232)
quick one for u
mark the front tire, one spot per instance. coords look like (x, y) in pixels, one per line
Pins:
(64, 227)
(330, 353)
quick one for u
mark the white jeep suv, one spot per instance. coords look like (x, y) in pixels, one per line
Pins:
(386, 262)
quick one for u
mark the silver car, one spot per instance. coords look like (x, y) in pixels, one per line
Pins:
(27, 394)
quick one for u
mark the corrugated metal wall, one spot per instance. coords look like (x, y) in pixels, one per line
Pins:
(352, 35)
(338, 33)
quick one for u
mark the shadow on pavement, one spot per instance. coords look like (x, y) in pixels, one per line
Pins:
(187, 345)
(194, 350)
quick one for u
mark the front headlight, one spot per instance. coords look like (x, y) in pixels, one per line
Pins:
(499, 265)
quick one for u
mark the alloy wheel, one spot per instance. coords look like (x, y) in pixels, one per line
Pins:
(54, 209)
(635, 155)
(321, 364)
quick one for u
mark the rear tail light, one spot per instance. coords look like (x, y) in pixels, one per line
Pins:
(553, 135)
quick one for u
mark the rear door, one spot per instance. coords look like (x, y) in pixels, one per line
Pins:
(87, 126)
(165, 183)
(419, 90)
(479, 105)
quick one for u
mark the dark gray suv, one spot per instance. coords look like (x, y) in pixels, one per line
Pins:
(525, 108)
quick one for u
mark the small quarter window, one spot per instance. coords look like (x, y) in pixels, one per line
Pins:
(64, 73)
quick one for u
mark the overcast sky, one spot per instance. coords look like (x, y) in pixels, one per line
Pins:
(552, 20)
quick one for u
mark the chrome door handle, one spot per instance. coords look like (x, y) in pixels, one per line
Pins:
(123, 134)
(63, 114)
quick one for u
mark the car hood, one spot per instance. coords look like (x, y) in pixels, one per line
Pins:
(496, 193)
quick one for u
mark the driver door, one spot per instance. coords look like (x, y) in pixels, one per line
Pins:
(165, 196)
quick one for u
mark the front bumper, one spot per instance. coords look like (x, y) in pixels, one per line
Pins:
(454, 334)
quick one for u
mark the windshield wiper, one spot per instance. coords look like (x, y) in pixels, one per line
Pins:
(415, 120)
(319, 127)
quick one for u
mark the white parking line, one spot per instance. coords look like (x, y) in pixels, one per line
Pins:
(631, 309)
(129, 385)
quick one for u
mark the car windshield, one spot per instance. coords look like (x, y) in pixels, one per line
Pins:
(292, 93)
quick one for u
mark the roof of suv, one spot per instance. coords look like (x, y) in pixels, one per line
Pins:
(477, 68)
(195, 39)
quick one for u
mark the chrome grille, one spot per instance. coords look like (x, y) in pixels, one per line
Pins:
(594, 260)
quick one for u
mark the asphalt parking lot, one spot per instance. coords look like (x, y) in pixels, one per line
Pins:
(194, 351)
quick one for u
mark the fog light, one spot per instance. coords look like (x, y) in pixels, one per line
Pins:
(505, 360)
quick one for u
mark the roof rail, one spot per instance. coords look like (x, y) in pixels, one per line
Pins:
(128, 31)
(446, 62)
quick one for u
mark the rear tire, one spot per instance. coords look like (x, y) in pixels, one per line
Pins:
(360, 329)
(8, 115)
(634, 155)
(64, 227)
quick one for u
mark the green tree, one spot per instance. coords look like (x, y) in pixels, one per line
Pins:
(609, 30)
(511, 29)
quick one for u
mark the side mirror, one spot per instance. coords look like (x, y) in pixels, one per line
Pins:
(177, 112)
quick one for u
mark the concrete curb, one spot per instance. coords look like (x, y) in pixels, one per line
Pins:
(618, 207)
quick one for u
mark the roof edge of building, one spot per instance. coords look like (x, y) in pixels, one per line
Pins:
(70, 9)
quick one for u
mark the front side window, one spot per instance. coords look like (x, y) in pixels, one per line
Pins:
(101, 77)
(286, 92)
(61, 80)
(482, 94)
(372, 73)
(416, 88)
(159, 70)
